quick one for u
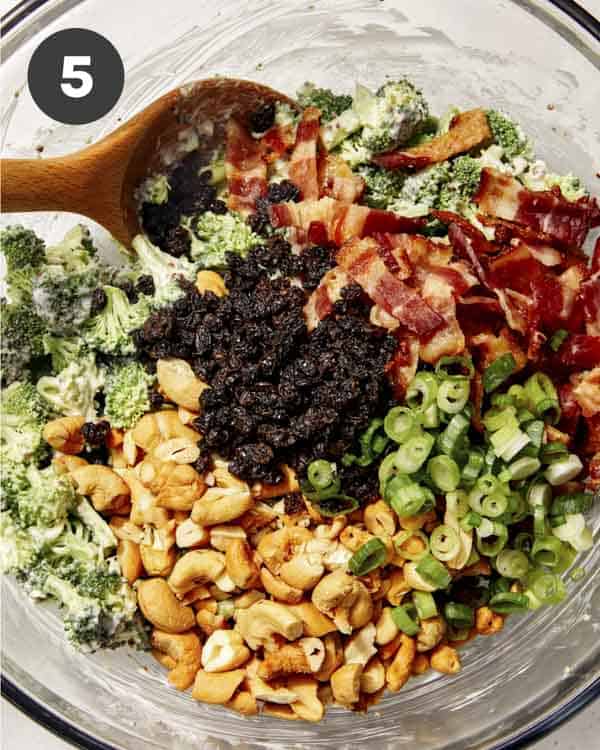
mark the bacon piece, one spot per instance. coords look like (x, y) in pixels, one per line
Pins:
(515, 269)
(566, 222)
(578, 352)
(303, 161)
(467, 130)
(245, 169)
(413, 253)
(570, 411)
(321, 302)
(277, 141)
(402, 368)
(467, 241)
(590, 294)
(489, 347)
(449, 339)
(592, 482)
(478, 314)
(586, 391)
(338, 181)
(596, 257)
(343, 221)
(477, 395)
(361, 260)
(592, 440)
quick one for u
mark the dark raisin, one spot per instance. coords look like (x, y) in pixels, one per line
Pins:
(293, 503)
(218, 207)
(177, 242)
(145, 285)
(156, 399)
(130, 291)
(204, 462)
(262, 118)
(95, 433)
(283, 192)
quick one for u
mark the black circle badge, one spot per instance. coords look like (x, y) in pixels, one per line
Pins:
(76, 76)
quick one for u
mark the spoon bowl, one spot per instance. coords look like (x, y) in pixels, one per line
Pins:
(100, 181)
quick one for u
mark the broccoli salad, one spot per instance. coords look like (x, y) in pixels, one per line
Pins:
(335, 413)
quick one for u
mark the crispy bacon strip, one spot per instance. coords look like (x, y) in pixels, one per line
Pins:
(547, 211)
(245, 169)
(321, 302)
(592, 440)
(277, 141)
(593, 480)
(586, 391)
(413, 253)
(362, 261)
(342, 221)
(338, 181)
(590, 295)
(478, 314)
(596, 257)
(303, 161)
(570, 411)
(467, 130)
(578, 352)
(439, 292)
(402, 368)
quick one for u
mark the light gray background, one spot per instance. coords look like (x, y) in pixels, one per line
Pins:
(17, 731)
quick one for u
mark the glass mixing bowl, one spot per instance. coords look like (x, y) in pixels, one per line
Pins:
(536, 59)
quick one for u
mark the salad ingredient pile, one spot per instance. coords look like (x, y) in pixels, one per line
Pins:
(337, 413)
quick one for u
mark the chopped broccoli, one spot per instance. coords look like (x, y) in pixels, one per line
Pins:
(329, 104)
(165, 270)
(354, 152)
(18, 551)
(73, 391)
(285, 115)
(22, 248)
(509, 136)
(21, 340)
(64, 300)
(127, 394)
(537, 177)
(464, 177)
(382, 186)
(23, 414)
(213, 235)
(75, 253)
(420, 192)
(46, 501)
(63, 351)
(154, 189)
(95, 528)
(109, 331)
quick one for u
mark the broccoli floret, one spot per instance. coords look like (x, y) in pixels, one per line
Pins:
(21, 340)
(63, 351)
(47, 500)
(166, 271)
(64, 300)
(73, 390)
(329, 104)
(126, 394)
(393, 116)
(213, 235)
(95, 529)
(23, 416)
(18, 551)
(509, 136)
(75, 253)
(420, 192)
(22, 248)
(154, 189)
(109, 331)
(537, 177)
(354, 152)
(382, 186)
(456, 194)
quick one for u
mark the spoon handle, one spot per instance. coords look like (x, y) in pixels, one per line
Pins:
(41, 185)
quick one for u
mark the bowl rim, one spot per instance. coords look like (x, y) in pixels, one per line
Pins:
(68, 732)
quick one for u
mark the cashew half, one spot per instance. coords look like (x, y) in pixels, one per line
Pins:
(184, 650)
(64, 434)
(305, 656)
(210, 281)
(386, 629)
(277, 547)
(278, 588)
(345, 684)
(217, 687)
(107, 491)
(130, 560)
(334, 656)
(445, 659)
(380, 519)
(223, 651)
(399, 671)
(360, 647)
(240, 565)
(195, 568)
(301, 572)
(161, 607)
(190, 534)
(262, 620)
(431, 632)
(373, 677)
(179, 383)
(315, 623)
(154, 428)
(308, 705)
(65, 464)
(176, 486)
(221, 505)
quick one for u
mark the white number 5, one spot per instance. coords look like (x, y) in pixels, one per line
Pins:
(86, 82)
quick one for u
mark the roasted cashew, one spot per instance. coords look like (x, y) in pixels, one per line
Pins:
(125, 529)
(107, 491)
(248, 598)
(184, 650)
(223, 651)
(360, 646)
(362, 610)
(65, 464)
(210, 281)
(178, 382)
(277, 547)
(420, 664)
(307, 706)
(302, 572)
(386, 628)
(176, 486)
(190, 534)
(413, 579)
(335, 590)
(222, 536)
(217, 687)
(304, 656)
(179, 450)
(445, 659)
(144, 510)
(260, 622)
(379, 519)
(373, 677)
(244, 703)
(195, 568)
(278, 711)
(64, 434)
(399, 671)
(130, 560)
(240, 565)
(353, 537)
(431, 632)
(154, 428)
(334, 656)
(157, 562)
(278, 589)
(315, 623)
(488, 622)
(221, 505)
(345, 684)
(161, 607)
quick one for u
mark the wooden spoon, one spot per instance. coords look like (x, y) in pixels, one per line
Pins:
(100, 181)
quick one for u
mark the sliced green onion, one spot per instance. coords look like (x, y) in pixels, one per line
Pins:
(487, 483)
(512, 563)
(406, 499)
(509, 440)
(464, 365)
(497, 417)
(444, 542)
(576, 502)
(499, 586)
(470, 521)
(494, 505)
(508, 603)
(540, 521)
(546, 551)
(577, 573)
(404, 619)
(422, 391)
(553, 451)
(524, 415)
(499, 371)
(457, 503)
(517, 507)
(412, 454)
(457, 634)
(524, 542)
(433, 572)
(541, 397)
(476, 497)
(321, 474)
(400, 423)
(558, 338)
(539, 493)
(424, 604)
(388, 469)
(430, 418)
(444, 472)
(453, 394)
(473, 557)
(459, 615)
(449, 440)
(401, 539)
(564, 470)
(372, 443)
(491, 544)
(535, 432)
(472, 469)
(524, 467)
(336, 505)
(547, 588)
(371, 555)
(575, 532)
